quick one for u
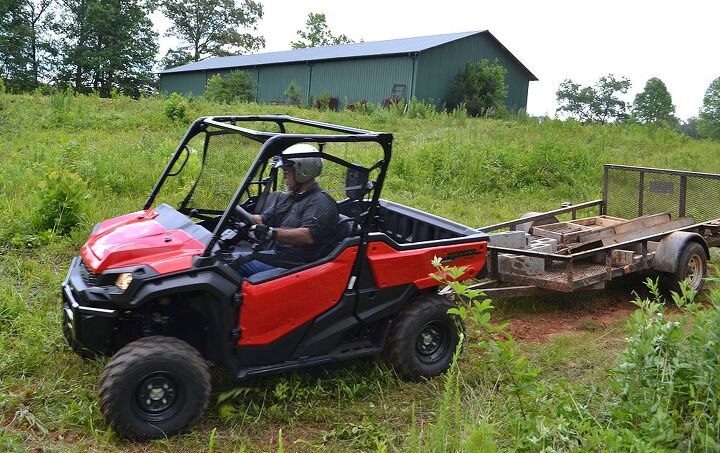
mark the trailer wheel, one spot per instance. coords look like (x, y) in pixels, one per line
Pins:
(154, 387)
(424, 338)
(691, 265)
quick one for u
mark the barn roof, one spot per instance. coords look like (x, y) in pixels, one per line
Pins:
(337, 52)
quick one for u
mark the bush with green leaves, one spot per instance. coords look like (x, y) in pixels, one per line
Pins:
(293, 94)
(175, 108)
(480, 87)
(668, 382)
(60, 206)
(421, 109)
(237, 86)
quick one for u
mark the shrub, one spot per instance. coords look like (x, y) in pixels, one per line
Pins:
(326, 102)
(237, 86)
(292, 94)
(480, 86)
(175, 108)
(421, 109)
(60, 202)
(363, 107)
(668, 380)
(62, 101)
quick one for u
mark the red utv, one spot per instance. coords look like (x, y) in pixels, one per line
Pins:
(154, 288)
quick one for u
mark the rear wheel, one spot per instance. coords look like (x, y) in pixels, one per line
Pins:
(424, 338)
(691, 265)
(154, 387)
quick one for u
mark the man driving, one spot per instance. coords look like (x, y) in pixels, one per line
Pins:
(298, 225)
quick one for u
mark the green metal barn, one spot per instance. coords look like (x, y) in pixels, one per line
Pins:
(422, 67)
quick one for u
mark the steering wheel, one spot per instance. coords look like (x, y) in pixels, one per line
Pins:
(244, 215)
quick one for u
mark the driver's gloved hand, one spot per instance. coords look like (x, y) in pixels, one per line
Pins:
(262, 233)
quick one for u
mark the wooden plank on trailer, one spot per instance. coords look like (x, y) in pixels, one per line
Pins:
(558, 231)
(657, 229)
(625, 227)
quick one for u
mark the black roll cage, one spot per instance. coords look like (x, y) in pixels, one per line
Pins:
(273, 143)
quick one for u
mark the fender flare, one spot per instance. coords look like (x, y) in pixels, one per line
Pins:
(670, 248)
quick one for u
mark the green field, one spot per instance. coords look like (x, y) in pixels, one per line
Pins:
(475, 171)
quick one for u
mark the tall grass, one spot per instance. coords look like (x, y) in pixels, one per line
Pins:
(476, 171)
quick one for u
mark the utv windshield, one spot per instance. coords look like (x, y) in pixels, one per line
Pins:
(223, 162)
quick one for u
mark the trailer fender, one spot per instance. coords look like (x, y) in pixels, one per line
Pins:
(671, 247)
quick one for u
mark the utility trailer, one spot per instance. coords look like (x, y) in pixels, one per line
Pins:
(647, 219)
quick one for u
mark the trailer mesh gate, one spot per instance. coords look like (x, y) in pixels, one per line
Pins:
(630, 192)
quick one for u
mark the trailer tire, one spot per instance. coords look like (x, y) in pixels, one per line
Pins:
(424, 338)
(692, 265)
(154, 387)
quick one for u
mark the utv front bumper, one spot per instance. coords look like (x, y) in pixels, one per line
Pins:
(86, 327)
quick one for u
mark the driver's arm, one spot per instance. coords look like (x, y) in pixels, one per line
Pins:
(294, 236)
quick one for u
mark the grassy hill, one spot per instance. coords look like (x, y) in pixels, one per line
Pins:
(475, 171)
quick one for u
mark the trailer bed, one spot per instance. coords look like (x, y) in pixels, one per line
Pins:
(640, 208)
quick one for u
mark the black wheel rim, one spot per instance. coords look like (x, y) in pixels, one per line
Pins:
(433, 342)
(157, 397)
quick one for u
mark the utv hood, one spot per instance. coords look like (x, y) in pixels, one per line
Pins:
(161, 238)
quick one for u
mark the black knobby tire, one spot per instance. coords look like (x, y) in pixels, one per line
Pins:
(154, 387)
(423, 338)
(692, 264)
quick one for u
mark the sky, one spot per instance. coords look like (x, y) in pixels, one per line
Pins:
(678, 42)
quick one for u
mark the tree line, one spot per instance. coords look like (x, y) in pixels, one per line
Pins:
(602, 103)
(107, 46)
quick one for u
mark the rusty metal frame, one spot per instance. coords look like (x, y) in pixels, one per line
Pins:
(528, 285)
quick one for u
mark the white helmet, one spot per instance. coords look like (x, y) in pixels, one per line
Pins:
(306, 168)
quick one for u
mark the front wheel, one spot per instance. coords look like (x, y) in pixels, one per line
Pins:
(154, 387)
(424, 338)
(691, 266)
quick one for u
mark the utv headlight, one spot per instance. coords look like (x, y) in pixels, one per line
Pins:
(123, 280)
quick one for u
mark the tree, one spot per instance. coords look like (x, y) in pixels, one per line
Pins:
(688, 127)
(480, 87)
(709, 118)
(317, 34)
(654, 104)
(598, 104)
(209, 28)
(236, 86)
(108, 45)
(26, 49)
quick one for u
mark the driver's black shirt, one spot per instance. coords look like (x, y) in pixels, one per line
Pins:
(312, 209)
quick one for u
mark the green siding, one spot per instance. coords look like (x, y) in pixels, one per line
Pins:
(369, 79)
(183, 83)
(274, 80)
(372, 78)
(437, 68)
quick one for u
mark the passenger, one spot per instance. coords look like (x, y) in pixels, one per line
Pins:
(301, 222)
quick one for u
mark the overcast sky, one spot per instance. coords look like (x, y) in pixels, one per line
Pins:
(679, 42)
